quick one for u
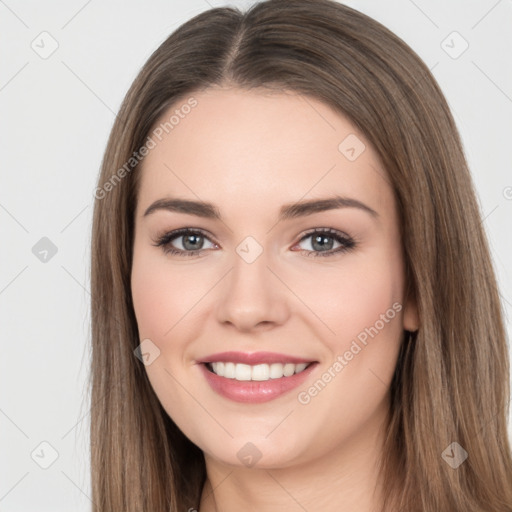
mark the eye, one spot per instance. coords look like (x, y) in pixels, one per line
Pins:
(323, 239)
(192, 241)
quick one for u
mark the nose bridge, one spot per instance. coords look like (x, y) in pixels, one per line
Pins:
(250, 265)
(251, 294)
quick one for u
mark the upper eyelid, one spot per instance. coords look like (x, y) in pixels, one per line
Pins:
(177, 233)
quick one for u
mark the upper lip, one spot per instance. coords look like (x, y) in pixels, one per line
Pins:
(253, 358)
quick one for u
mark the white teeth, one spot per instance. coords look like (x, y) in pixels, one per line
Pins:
(259, 372)
(300, 367)
(229, 370)
(289, 369)
(276, 371)
(242, 372)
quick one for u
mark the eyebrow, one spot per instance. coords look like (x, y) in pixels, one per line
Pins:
(287, 211)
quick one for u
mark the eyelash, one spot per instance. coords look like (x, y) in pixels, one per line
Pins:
(348, 243)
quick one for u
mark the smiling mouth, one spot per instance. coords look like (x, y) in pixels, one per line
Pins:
(258, 372)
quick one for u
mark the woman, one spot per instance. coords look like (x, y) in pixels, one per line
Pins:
(294, 305)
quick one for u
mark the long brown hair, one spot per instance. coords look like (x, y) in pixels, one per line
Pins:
(452, 377)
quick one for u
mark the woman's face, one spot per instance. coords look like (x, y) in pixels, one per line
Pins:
(261, 282)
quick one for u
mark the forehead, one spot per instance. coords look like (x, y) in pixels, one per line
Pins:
(235, 146)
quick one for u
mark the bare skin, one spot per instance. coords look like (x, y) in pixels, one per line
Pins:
(249, 153)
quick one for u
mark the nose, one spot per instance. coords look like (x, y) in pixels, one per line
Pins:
(252, 297)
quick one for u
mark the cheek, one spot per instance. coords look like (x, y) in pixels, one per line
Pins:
(163, 300)
(150, 301)
(361, 304)
(363, 308)
(161, 297)
(352, 298)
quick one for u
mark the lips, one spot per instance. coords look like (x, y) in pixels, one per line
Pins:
(264, 383)
(255, 392)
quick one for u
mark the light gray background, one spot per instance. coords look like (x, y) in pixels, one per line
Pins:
(57, 113)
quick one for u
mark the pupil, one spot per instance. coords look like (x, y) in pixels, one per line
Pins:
(195, 244)
(321, 241)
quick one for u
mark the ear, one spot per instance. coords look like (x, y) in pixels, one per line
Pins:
(410, 318)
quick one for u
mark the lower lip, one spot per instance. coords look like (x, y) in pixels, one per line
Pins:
(254, 392)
